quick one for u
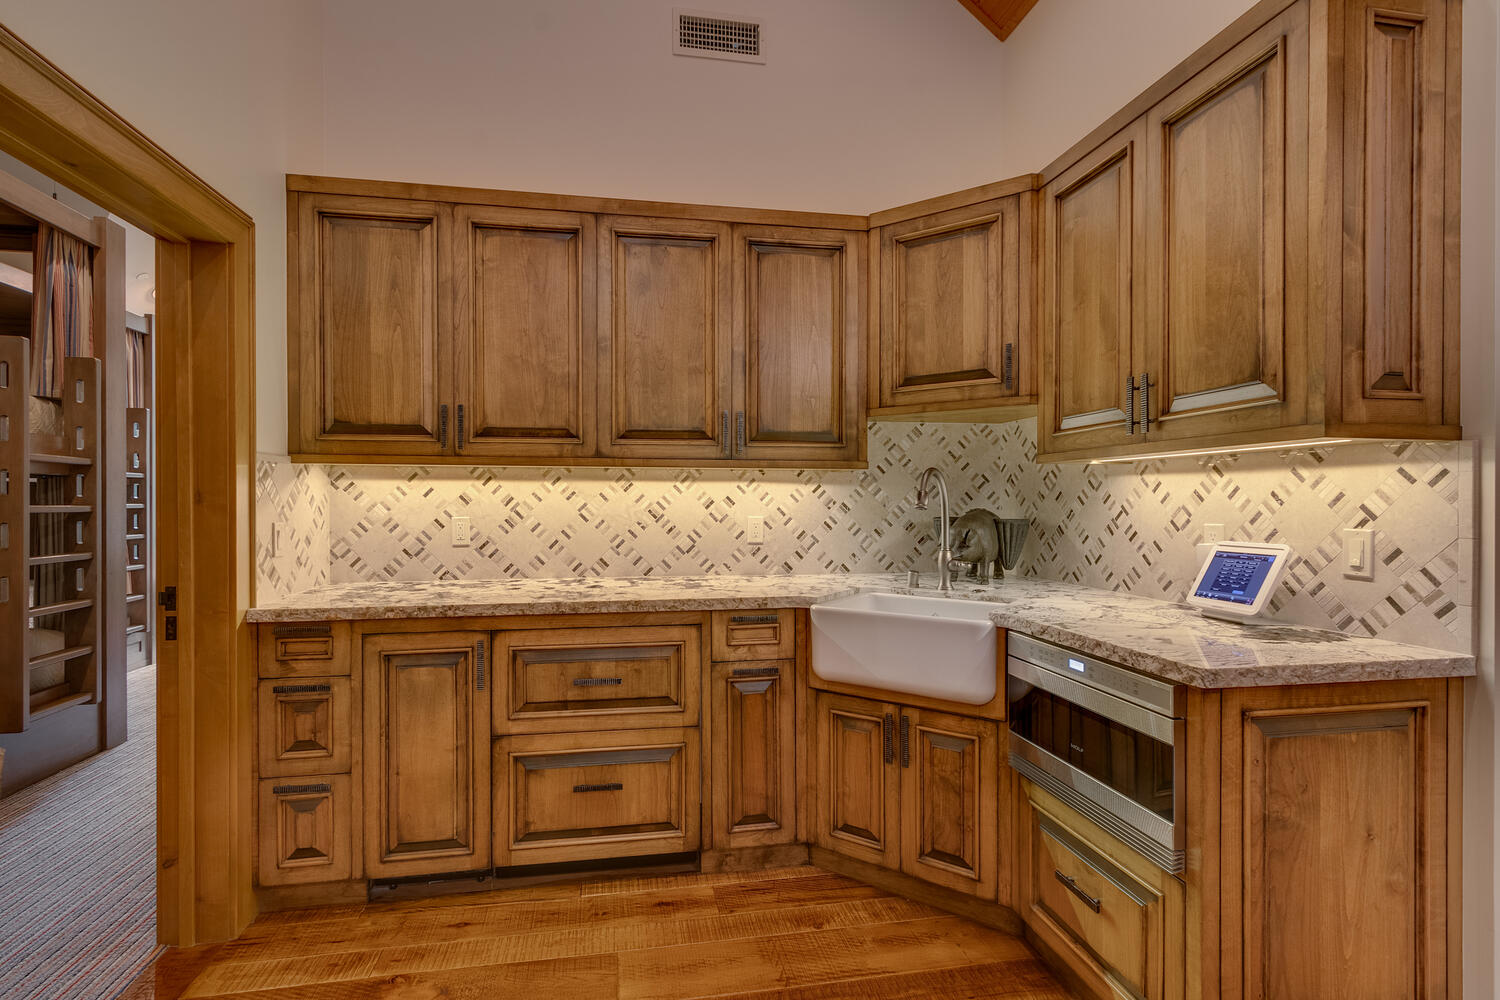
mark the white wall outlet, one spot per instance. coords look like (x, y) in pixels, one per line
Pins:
(755, 529)
(1213, 533)
(461, 532)
(1359, 553)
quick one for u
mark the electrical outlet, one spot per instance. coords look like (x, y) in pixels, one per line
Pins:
(461, 533)
(1213, 533)
(1359, 553)
(276, 540)
(755, 529)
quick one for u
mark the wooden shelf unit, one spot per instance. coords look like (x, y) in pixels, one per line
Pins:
(49, 537)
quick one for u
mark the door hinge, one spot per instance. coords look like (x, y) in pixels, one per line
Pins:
(169, 628)
(168, 599)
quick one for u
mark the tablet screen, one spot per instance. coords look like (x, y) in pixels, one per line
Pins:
(1236, 577)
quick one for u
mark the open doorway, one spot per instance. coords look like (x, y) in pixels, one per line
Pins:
(77, 663)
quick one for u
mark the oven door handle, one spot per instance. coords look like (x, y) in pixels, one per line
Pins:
(1161, 728)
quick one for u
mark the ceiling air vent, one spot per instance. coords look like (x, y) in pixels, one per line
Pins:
(715, 36)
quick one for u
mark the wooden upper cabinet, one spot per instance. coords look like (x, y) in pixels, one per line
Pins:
(1399, 350)
(368, 308)
(525, 344)
(953, 309)
(1227, 344)
(1090, 305)
(797, 323)
(426, 754)
(664, 308)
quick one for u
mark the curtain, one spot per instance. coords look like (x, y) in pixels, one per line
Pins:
(137, 360)
(62, 308)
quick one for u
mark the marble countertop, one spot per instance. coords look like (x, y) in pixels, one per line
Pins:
(1164, 640)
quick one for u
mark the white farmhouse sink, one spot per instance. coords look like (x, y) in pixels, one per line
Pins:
(933, 646)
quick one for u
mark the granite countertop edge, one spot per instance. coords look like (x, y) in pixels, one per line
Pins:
(1153, 648)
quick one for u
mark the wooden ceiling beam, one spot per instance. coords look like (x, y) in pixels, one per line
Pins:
(1000, 16)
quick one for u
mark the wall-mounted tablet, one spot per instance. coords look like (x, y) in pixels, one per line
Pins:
(1238, 579)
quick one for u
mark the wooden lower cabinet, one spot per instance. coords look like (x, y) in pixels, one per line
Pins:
(426, 754)
(1114, 918)
(752, 758)
(305, 830)
(305, 726)
(585, 796)
(908, 789)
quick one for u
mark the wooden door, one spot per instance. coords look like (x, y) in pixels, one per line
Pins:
(1335, 831)
(427, 754)
(1227, 263)
(951, 305)
(753, 773)
(949, 799)
(857, 784)
(1398, 327)
(665, 358)
(1091, 310)
(369, 357)
(797, 331)
(525, 340)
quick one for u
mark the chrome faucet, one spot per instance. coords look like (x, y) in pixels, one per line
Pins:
(945, 536)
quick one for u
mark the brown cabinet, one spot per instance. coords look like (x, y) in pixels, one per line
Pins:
(909, 789)
(1264, 253)
(582, 796)
(370, 366)
(955, 302)
(525, 337)
(752, 753)
(304, 649)
(426, 754)
(305, 726)
(1115, 918)
(305, 830)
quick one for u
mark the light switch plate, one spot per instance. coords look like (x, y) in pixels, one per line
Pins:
(755, 529)
(461, 532)
(1359, 553)
(1213, 533)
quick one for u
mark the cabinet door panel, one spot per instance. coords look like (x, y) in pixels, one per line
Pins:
(857, 787)
(753, 761)
(1396, 132)
(664, 303)
(951, 306)
(371, 360)
(427, 754)
(1091, 311)
(305, 830)
(1228, 333)
(797, 301)
(949, 800)
(525, 340)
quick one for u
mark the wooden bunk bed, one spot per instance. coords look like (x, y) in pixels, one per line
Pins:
(63, 507)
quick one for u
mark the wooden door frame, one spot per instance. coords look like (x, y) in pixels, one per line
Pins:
(205, 440)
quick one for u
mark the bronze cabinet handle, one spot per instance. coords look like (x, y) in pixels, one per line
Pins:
(1145, 402)
(479, 664)
(755, 672)
(302, 689)
(1010, 366)
(1072, 886)
(724, 432)
(739, 431)
(319, 789)
(905, 740)
(887, 747)
(460, 427)
(608, 786)
(754, 619)
(1130, 405)
(588, 682)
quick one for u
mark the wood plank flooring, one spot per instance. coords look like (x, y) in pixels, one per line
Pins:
(787, 934)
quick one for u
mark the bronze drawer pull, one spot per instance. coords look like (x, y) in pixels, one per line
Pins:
(302, 689)
(301, 789)
(905, 741)
(593, 682)
(301, 631)
(608, 786)
(754, 619)
(755, 672)
(888, 746)
(1072, 886)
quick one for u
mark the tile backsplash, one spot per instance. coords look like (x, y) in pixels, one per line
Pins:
(1130, 526)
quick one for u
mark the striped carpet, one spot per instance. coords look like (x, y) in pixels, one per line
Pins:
(78, 869)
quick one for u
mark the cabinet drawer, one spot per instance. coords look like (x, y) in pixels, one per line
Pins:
(569, 680)
(304, 726)
(574, 797)
(305, 829)
(1108, 912)
(310, 649)
(754, 635)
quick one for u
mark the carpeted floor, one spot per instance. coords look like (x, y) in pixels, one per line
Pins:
(78, 869)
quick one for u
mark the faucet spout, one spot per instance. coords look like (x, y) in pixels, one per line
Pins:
(934, 477)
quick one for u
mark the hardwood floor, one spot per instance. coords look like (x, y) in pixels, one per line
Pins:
(786, 934)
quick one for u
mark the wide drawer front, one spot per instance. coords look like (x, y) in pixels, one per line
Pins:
(310, 649)
(568, 680)
(304, 726)
(596, 795)
(305, 831)
(1079, 885)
